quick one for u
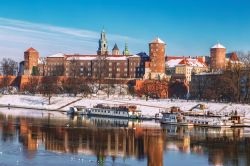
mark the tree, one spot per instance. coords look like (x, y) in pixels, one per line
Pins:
(245, 59)
(85, 88)
(33, 85)
(72, 84)
(74, 68)
(100, 69)
(49, 87)
(109, 87)
(9, 67)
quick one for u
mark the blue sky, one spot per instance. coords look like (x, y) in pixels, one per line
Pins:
(189, 27)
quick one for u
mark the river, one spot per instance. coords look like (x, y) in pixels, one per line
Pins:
(32, 138)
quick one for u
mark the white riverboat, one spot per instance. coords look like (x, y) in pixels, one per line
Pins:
(175, 116)
(217, 122)
(117, 111)
(106, 110)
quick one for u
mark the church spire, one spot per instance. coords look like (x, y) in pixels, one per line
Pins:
(126, 51)
(103, 44)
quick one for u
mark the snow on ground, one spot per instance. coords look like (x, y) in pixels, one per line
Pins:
(35, 101)
(31, 113)
(150, 107)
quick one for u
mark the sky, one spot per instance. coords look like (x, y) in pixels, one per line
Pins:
(189, 27)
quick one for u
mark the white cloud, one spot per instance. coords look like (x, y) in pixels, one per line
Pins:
(16, 36)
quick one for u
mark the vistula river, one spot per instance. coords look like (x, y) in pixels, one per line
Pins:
(31, 138)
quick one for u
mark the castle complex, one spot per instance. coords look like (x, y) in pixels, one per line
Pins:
(100, 65)
(126, 66)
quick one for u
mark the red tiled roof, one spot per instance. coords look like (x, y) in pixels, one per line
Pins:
(31, 50)
(234, 57)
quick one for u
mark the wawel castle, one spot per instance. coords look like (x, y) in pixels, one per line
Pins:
(124, 65)
(104, 64)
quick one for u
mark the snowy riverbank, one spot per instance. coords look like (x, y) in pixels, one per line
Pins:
(150, 107)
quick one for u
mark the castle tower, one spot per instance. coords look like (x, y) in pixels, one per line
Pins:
(126, 51)
(218, 57)
(157, 56)
(31, 57)
(103, 45)
(115, 50)
(155, 68)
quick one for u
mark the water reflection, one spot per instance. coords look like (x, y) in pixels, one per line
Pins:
(123, 139)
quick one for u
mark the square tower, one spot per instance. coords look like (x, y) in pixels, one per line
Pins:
(31, 57)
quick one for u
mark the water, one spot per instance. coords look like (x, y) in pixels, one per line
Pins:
(40, 138)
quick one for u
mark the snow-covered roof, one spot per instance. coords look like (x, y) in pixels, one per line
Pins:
(218, 45)
(117, 58)
(85, 58)
(185, 61)
(157, 40)
(134, 56)
(173, 62)
(58, 55)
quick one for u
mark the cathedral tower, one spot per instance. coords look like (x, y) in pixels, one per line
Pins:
(103, 45)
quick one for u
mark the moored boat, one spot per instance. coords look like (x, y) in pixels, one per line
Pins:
(117, 111)
(175, 116)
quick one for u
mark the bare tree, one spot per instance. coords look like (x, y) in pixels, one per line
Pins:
(72, 84)
(100, 69)
(74, 68)
(109, 87)
(49, 87)
(33, 85)
(9, 67)
(245, 59)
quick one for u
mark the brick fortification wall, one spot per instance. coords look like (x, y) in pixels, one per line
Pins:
(22, 81)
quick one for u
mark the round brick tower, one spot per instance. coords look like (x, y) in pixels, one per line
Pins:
(218, 57)
(157, 56)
